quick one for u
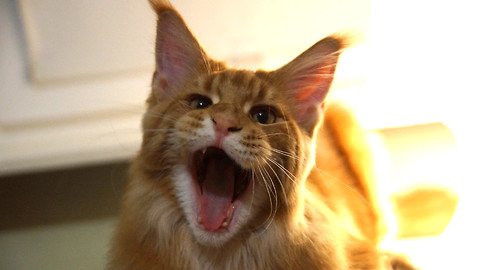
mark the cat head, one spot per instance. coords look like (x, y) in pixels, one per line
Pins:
(234, 145)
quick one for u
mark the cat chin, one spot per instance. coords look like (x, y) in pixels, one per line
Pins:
(211, 239)
(220, 237)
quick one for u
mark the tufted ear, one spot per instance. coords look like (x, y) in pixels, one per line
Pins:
(307, 79)
(177, 53)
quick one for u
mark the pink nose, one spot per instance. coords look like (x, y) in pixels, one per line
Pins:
(226, 123)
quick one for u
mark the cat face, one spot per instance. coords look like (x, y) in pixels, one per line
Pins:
(234, 145)
(232, 149)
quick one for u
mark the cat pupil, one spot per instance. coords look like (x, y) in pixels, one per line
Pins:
(263, 116)
(200, 102)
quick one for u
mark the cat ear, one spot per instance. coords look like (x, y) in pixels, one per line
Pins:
(177, 53)
(307, 79)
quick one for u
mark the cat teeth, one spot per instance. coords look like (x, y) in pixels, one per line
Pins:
(204, 151)
(229, 217)
(199, 220)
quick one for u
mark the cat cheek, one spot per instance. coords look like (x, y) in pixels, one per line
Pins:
(193, 132)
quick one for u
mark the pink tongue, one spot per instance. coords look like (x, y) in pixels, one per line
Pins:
(217, 193)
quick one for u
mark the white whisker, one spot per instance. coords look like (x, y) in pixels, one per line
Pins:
(279, 180)
(286, 154)
(341, 182)
(284, 170)
(271, 191)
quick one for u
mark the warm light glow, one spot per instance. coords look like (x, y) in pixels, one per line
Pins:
(423, 62)
(455, 248)
(422, 158)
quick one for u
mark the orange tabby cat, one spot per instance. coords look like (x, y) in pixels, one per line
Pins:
(234, 171)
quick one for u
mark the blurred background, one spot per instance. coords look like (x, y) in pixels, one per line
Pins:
(74, 76)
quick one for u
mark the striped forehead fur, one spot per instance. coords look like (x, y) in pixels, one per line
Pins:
(252, 86)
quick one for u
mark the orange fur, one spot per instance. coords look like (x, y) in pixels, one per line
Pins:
(300, 210)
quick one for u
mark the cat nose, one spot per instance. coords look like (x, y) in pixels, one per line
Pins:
(226, 123)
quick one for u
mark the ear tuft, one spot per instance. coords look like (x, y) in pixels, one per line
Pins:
(307, 79)
(160, 5)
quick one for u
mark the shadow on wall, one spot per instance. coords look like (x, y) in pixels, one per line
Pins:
(65, 196)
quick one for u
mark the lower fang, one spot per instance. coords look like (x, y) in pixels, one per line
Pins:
(199, 220)
(224, 224)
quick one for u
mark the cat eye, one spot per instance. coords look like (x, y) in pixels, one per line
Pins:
(200, 102)
(264, 115)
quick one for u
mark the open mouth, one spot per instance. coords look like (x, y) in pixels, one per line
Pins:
(221, 182)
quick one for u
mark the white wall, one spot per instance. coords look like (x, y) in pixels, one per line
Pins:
(74, 75)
